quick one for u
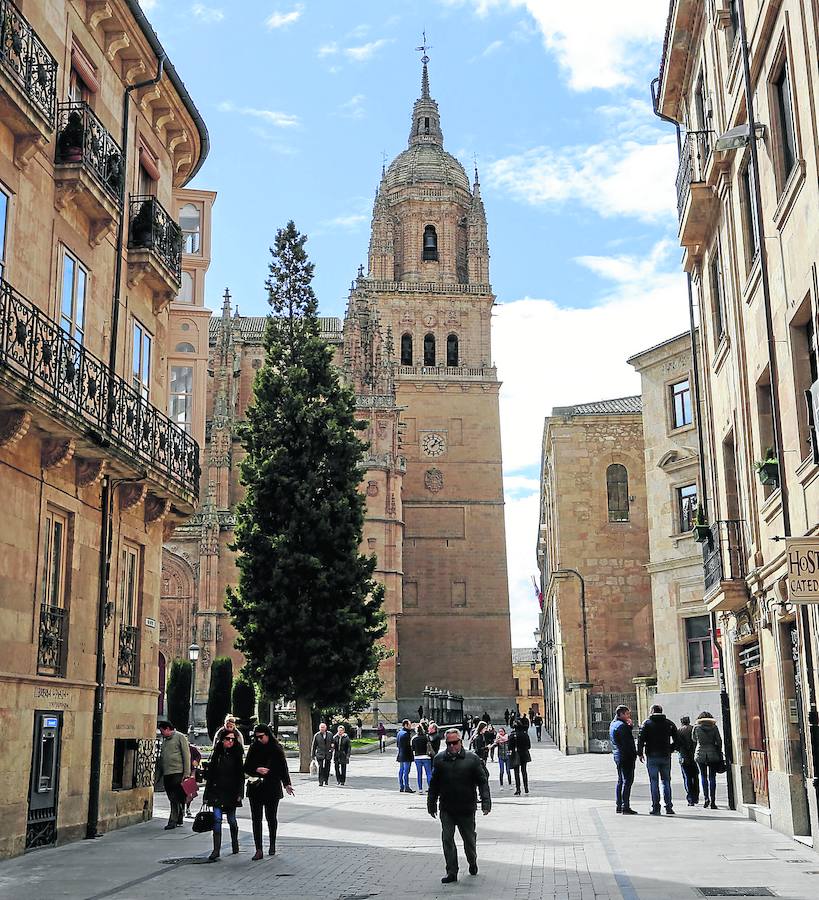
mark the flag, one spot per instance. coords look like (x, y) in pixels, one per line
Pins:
(538, 593)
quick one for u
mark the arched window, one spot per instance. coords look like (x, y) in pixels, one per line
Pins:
(452, 350)
(190, 221)
(186, 291)
(185, 348)
(406, 349)
(430, 243)
(429, 349)
(617, 491)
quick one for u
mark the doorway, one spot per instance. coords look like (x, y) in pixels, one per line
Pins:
(755, 724)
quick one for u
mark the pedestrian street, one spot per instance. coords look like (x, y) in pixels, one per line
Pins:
(367, 840)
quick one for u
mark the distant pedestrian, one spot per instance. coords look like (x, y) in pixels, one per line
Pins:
(196, 771)
(501, 744)
(621, 735)
(434, 736)
(479, 744)
(382, 737)
(685, 751)
(485, 717)
(422, 751)
(224, 789)
(466, 728)
(231, 726)
(537, 721)
(506, 715)
(420, 713)
(341, 754)
(519, 756)
(456, 776)
(266, 765)
(173, 767)
(322, 752)
(656, 743)
(490, 734)
(403, 741)
(708, 755)
(359, 726)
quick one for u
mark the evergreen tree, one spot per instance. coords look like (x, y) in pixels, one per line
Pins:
(221, 680)
(307, 609)
(179, 694)
(244, 704)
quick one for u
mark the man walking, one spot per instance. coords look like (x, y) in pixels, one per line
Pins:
(625, 758)
(403, 740)
(174, 767)
(456, 775)
(341, 754)
(506, 715)
(655, 745)
(686, 746)
(537, 721)
(322, 752)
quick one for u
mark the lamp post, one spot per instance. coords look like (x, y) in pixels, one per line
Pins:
(193, 656)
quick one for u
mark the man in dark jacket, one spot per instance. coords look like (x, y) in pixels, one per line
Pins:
(405, 756)
(655, 745)
(685, 751)
(625, 757)
(341, 754)
(322, 752)
(456, 774)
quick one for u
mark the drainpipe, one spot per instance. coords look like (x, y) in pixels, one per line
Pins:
(567, 571)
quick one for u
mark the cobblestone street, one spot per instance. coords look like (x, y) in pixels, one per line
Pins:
(367, 840)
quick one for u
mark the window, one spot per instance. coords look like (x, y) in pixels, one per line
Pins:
(185, 347)
(4, 216)
(124, 773)
(129, 585)
(72, 301)
(53, 627)
(717, 299)
(764, 411)
(54, 559)
(681, 413)
(733, 13)
(786, 137)
(517, 685)
(180, 405)
(750, 230)
(686, 507)
(141, 370)
(190, 221)
(452, 350)
(617, 491)
(406, 349)
(805, 375)
(429, 350)
(185, 294)
(146, 185)
(534, 686)
(430, 243)
(77, 91)
(698, 641)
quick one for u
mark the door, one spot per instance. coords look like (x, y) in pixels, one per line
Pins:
(757, 743)
(41, 823)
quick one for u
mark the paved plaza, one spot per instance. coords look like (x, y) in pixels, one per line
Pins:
(367, 840)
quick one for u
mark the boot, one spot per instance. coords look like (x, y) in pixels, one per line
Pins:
(234, 838)
(258, 854)
(217, 846)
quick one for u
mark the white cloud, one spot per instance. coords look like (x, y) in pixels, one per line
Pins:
(208, 14)
(492, 48)
(366, 51)
(283, 19)
(271, 116)
(353, 108)
(330, 49)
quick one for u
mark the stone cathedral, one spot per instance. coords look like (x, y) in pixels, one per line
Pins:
(415, 345)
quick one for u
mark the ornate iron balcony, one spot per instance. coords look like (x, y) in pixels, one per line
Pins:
(694, 156)
(47, 366)
(152, 228)
(52, 644)
(128, 655)
(25, 58)
(82, 138)
(723, 554)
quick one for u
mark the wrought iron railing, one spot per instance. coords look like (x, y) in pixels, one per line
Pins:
(128, 655)
(152, 228)
(55, 368)
(25, 58)
(52, 643)
(82, 138)
(723, 553)
(694, 155)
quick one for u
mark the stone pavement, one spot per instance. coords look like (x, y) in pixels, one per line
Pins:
(366, 840)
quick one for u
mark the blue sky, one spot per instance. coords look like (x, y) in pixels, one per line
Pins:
(302, 99)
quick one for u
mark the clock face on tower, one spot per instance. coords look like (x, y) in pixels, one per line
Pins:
(433, 444)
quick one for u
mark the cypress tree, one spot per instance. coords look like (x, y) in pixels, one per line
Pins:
(179, 694)
(307, 610)
(221, 680)
(244, 704)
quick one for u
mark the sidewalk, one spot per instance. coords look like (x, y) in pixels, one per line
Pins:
(366, 840)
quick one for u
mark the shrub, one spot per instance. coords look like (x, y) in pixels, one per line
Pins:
(179, 694)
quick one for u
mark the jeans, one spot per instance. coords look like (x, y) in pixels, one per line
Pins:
(403, 774)
(173, 788)
(659, 768)
(625, 779)
(324, 770)
(503, 765)
(521, 770)
(341, 770)
(708, 774)
(538, 731)
(270, 809)
(465, 823)
(382, 743)
(691, 781)
(421, 766)
(229, 814)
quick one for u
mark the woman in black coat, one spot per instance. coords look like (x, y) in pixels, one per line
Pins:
(266, 765)
(519, 746)
(224, 789)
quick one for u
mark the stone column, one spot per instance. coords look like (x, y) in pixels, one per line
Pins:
(577, 717)
(646, 688)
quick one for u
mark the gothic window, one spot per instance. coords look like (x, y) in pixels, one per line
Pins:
(429, 350)
(406, 349)
(617, 491)
(430, 243)
(452, 350)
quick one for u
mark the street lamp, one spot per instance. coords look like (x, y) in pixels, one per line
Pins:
(193, 656)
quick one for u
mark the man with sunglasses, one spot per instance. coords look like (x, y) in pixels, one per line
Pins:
(456, 776)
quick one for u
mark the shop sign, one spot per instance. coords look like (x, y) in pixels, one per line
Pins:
(803, 569)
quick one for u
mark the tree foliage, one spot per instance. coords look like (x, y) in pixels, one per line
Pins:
(179, 694)
(244, 703)
(221, 681)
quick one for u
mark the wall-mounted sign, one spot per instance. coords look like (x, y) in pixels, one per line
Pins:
(151, 623)
(803, 569)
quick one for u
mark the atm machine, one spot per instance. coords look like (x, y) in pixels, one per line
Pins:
(41, 826)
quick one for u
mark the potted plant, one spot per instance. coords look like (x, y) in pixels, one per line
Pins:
(768, 468)
(70, 141)
(142, 225)
(701, 529)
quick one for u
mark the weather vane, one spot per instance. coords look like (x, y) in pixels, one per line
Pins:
(424, 47)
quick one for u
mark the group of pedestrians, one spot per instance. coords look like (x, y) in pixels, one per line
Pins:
(335, 748)
(699, 750)
(418, 744)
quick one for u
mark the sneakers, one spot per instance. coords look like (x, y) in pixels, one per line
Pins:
(448, 879)
(669, 810)
(655, 812)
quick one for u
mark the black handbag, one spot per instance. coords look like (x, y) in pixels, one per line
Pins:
(203, 821)
(721, 767)
(514, 759)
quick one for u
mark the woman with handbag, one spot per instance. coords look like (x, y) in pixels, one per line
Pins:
(708, 755)
(266, 765)
(501, 744)
(224, 789)
(519, 756)
(422, 751)
(479, 744)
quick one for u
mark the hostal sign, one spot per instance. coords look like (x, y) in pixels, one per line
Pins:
(803, 569)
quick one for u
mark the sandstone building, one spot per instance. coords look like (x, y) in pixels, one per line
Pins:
(92, 470)
(528, 685)
(596, 631)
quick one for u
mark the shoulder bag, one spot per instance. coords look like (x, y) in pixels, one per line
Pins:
(204, 820)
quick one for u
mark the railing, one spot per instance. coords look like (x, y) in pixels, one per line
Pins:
(51, 647)
(56, 368)
(723, 554)
(696, 150)
(152, 228)
(81, 137)
(454, 371)
(25, 57)
(128, 655)
(424, 287)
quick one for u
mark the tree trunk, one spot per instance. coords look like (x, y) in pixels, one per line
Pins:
(304, 723)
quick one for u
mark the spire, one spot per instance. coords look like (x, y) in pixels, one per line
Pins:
(425, 80)
(426, 121)
(226, 304)
(476, 187)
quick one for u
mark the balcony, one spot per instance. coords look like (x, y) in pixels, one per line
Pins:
(723, 560)
(154, 250)
(128, 655)
(52, 643)
(58, 381)
(28, 84)
(462, 373)
(696, 201)
(88, 168)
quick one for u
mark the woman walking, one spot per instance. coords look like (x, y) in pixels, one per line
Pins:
(422, 751)
(708, 755)
(266, 765)
(224, 789)
(519, 755)
(501, 744)
(434, 737)
(490, 736)
(479, 744)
